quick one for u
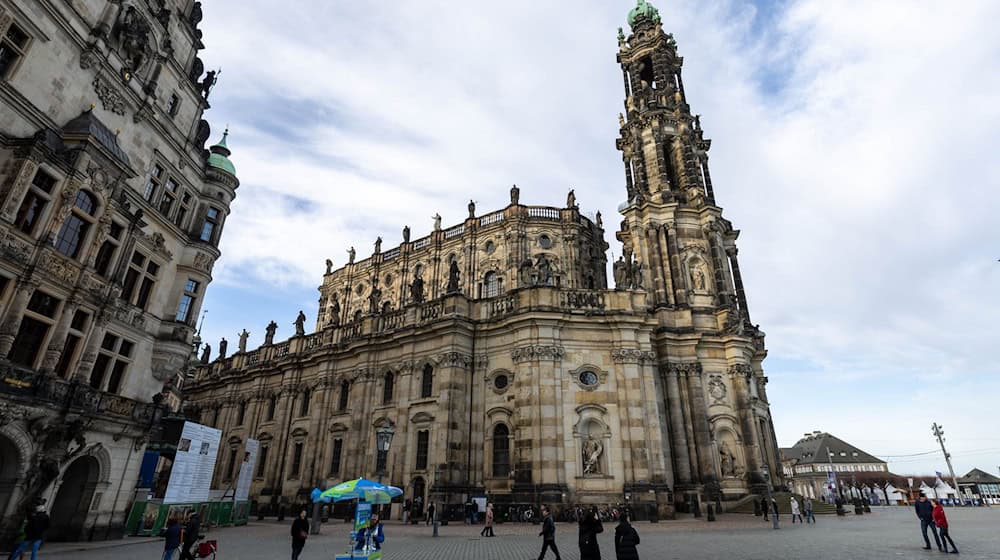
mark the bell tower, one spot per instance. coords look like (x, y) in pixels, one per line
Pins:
(680, 250)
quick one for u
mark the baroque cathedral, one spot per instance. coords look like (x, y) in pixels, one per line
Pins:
(507, 365)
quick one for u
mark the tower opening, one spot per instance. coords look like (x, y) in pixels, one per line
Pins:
(646, 73)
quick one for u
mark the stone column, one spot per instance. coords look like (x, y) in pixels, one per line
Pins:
(680, 294)
(57, 343)
(18, 186)
(678, 436)
(708, 179)
(89, 355)
(664, 254)
(655, 265)
(738, 377)
(688, 422)
(15, 312)
(699, 424)
(718, 270)
(740, 294)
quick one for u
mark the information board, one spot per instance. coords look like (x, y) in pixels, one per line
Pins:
(246, 470)
(194, 464)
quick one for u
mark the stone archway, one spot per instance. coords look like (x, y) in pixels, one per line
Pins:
(10, 471)
(69, 509)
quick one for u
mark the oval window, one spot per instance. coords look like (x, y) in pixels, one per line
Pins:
(501, 381)
(545, 241)
(588, 378)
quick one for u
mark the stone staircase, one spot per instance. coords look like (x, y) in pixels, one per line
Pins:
(745, 505)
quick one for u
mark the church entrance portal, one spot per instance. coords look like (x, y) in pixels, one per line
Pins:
(69, 509)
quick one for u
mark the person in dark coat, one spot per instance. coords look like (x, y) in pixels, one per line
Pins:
(300, 532)
(377, 534)
(34, 530)
(925, 513)
(590, 526)
(765, 507)
(626, 539)
(548, 533)
(191, 536)
(172, 538)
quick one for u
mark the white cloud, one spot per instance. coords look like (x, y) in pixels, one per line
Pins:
(853, 146)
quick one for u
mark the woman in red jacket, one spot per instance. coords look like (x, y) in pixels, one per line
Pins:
(942, 524)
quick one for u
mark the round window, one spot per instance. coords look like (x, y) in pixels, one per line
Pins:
(588, 378)
(360, 289)
(490, 247)
(545, 241)
(388, 279)
(501, 381)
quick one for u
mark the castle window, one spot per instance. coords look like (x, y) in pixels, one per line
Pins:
(34, 329)
(168, 198)
(501, 451)
(140, 280)
(34, 204)
(182, 209)
(646, 74)
(231, 464)
(13, 45)
(491, 284)
(112, 363)
(387, 387)
(490, 247)
(106, 254)
(153, 183)
(545, 241)
(241, 413)
(209, 226)
(423, 442)
(427, 382)
(76, 333)
(74, 231)
(187, 301)
(345, 393)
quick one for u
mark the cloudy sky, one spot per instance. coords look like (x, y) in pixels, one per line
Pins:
(854, 144)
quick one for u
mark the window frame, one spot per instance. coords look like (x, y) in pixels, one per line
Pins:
(83, 232)
(112, 359)
(112, 243)
(153, 182)
(36, 316)
(336, 455)
(422, 450)
(38, 193)
(344, 397)
(189, 296)
(388, 387)
(134, 286)
(494, 438)
(210, 225)
(427, 382)
(20, 51)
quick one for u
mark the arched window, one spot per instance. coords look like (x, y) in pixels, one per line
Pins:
(427, 382)
(304, 407)
(74, 230)
(387, 387)
(491, 284)
(501, 451)
(345, 392)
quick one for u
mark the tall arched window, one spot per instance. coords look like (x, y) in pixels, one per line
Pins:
(74, 230)
(304, 406)
(345, 392)
(501, 451)
(491, 284)
(427, 382)
(387, 387)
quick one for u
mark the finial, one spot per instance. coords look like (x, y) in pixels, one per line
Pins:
(203, 313)
(92, 106)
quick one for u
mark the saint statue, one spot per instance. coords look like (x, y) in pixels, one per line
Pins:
(472, 209)
(300, 324)
(437, 221)
(598, 220)
(544, 267)
(269, 332)
(592, 450)
(350, 255)
(571, 199)
(206, 354)
(620, 272)
(453, 278)
(727, 461)
(698, 279)
(329, 266)
(223, 346)
(417, 290)
(515, 195)
(243, 340)
(334, 311)
(637, 275)
(378, 245)
(406, 234)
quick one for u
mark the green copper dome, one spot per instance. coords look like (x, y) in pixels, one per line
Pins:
(642, 10)
(219, 158)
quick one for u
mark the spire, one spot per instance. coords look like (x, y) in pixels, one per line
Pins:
(219, 157)
(642, 12)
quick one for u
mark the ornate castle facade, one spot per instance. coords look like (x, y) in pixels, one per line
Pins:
(111, 211)
(506, 364)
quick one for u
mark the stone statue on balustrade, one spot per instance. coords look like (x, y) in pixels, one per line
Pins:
(206, 354)
(243, 341)
(300, 324)
(223, 346)
(636, 276)
(374, 299)
(472, 209)
(272, 327)
(620, 270)
(453, 274)
(378, 245)
(437, 221)
(417, 290)
(544, 271)
(571, 199)
(406, 234)
(329, 266)
(334, 312)
(350, 255)
(515, 195)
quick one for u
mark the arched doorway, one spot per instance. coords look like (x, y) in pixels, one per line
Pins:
(10, 466)
(68, 513)
(418, 487)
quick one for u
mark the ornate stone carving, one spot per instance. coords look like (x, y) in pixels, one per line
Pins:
(592, 451)
(15, 249)
(204, 262)
(133, 34)
(454, 359)
(533, 353)
(111, 99)
(129, 315)
(156, 242)
(60, 268)
(631, 356)
(743, 370)
(685, 369)
(717, 389)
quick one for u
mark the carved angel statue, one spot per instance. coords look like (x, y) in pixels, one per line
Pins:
(378, 244)
(592, 450)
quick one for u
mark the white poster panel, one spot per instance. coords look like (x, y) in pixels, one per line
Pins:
(246, 470)
(194, 464)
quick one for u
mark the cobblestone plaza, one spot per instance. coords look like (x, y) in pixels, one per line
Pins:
(887, 533)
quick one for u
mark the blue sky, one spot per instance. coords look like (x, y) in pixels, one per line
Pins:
(853, 145)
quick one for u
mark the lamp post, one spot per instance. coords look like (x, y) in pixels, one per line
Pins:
(383, 439)
(766, 471)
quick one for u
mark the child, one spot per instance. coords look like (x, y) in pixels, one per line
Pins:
(942, 524)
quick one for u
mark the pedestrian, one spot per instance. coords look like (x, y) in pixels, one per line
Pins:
(548, 533)
(774, 507)
(172, 538)
(809, 510)
(626, 539)
(589, 528)
(374, 530)
(795, 510)
(475, 513)
(34, 531)
(488, 526)
(406, 510)
(764, 507)
(430, 513)
(299, 532)
(925, 513)
(191, 536)
(942, 525)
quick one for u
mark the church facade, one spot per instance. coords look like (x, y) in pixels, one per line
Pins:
(504, 361)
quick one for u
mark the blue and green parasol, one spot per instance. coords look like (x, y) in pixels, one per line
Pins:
(358, 489)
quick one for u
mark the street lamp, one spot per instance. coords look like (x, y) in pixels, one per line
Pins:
(383, 439)
(766, 471)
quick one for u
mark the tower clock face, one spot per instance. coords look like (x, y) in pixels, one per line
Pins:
(588, 378)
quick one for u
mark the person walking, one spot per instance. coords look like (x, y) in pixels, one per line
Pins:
(589, 528)
(406, 510)
(808, 506)
(488, 526)
(430, 513)
(548, 533)
(191, 536)
(34, 531)
(626, 540)
(764, 507)
(774, 507)
(299, 532)
(925, 513)
(795, 510)
(172, 538)
(941, 521)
